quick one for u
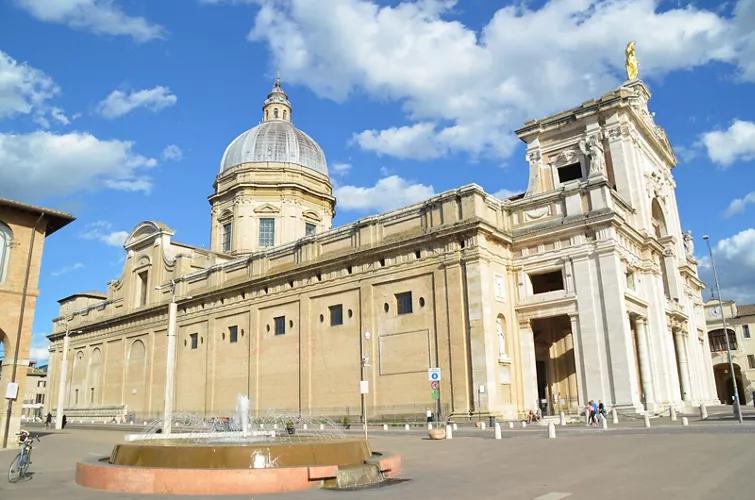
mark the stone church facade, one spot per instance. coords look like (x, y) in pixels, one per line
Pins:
(583, 287)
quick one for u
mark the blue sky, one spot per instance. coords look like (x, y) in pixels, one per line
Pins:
(119, 111)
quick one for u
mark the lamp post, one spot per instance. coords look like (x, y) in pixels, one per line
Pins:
(62, 382)
(170, 361)
(737, 407)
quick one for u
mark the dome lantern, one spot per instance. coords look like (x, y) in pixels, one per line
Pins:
(276, 106)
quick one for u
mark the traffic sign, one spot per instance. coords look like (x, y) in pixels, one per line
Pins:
(433, 374)
(436, 395)
(435, 385)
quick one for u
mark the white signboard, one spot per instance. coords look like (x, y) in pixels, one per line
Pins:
(11, 391)
(364, 387)
(433, 374)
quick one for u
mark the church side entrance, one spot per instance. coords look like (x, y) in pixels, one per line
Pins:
(555, 366)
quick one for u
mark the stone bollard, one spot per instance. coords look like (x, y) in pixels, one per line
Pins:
(262, 426)
(144, 423)
(563, 418)
(456, 427)
(275, 426)
(304, 427)
(647, 421)
(604, 423)
(322, 427)
(672, 413)
(406, 427)
(524, 425)
(449, 432)
(551, 430)
(685, 422)
(429, 426)
(614, 416)
(511, 425)
(497, 430)
(482, 425)
(703, 412)
(385, 427)
(92, 421)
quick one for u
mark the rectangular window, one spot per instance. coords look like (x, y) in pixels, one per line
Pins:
(227, 233)
(142, 279)
(309, 229)
(267, 232)
(194, 340)
(751, 361)
(718, 341)
(233, 334)
(569, 173)
(547, 282)
(336, 315)
(280, 325)
(404, 303)
(746, 331)
(630, 280)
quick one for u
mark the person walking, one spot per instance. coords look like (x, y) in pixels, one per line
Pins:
(588, 410)
(48, 420)
(594, 414)
(601, 410)
(63, 422)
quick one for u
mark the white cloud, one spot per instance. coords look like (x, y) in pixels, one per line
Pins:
(23, 89)
(67, 269)
(387, 193)
(735, 264)
(738, 205)
(97, 16)
(39, 354)
(340, 168)
(504, 193)
(172, 152)
(737, 143)
(102, 231)
(119, 103)
(41, 164)
(465, 89)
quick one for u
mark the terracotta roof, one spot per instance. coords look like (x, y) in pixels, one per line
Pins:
(56, 218)
(746, 310)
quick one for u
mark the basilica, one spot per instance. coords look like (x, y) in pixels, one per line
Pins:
(582, 288)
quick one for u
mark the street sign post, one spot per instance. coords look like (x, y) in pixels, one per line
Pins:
(433, 375)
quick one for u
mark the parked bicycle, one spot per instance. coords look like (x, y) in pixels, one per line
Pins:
(19, 467)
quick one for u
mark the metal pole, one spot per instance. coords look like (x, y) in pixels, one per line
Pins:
(170, 362)
(62, 383)
(737, 407)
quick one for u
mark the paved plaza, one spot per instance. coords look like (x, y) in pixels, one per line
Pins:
(706, 460)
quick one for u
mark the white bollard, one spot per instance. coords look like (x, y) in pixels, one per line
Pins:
(322, 427)
(604, 423)
(275, 426)
(429, 426)
(385, 427)
(511, 425)
(144, 423)
(262, 426)
(563, 419)
(406, 427)
(672, 413)
(449, 432)
(483, 426)
(456, 427)
(614, 416)
(647, 421)
(551, 431)
(685, 422)
(703, 412)
(304, 427)
(524, 425)
(92, 421)
(497, 430)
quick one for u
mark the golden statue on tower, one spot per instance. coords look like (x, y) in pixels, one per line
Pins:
(632, 64)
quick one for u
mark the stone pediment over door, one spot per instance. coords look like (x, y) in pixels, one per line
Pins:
(267, 209)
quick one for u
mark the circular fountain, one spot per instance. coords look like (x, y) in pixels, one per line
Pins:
(275, 453)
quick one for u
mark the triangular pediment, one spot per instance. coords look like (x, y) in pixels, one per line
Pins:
(266, 209)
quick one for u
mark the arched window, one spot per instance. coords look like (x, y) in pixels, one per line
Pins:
(137, 352)
(275, 112)
(284, 114)
(717, 340)
(658, 219)
(6, 236)
(266, 115)
(500, 333)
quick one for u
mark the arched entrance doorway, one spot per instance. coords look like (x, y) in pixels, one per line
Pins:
(555, 365)
(724, 387)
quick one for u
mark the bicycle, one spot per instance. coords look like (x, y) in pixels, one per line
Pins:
(19, 466)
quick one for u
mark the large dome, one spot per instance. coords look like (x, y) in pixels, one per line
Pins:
(274, 141)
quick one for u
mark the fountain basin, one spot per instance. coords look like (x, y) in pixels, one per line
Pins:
(178, 467)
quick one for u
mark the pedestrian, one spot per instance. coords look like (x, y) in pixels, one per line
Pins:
(601, 410)
(48, 420)
(588, 410)
(594, 413)
(63, 422)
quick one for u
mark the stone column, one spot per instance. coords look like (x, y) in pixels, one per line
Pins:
(577, 350)
(681, 359)
(642, 350)
(529, 369)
